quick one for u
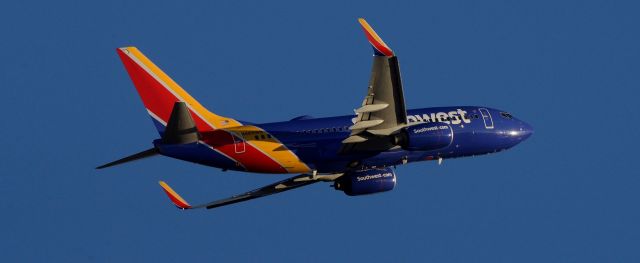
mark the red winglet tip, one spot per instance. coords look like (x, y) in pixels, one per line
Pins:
(375, 40)
(177, 200)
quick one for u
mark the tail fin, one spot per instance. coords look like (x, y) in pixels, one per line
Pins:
(159, 93)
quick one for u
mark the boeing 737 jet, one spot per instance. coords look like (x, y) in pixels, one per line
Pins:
(356, 153)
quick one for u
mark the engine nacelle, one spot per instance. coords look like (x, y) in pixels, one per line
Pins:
(366, 181)
(425, 136)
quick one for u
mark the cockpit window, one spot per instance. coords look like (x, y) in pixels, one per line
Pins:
(506, 115)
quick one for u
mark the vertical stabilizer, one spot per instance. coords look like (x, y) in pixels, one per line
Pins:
(159, 93)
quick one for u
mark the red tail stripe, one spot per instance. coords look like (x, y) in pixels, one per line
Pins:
(159, 101)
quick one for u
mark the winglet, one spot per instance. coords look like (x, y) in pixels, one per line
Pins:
(175, 197)
(379, 47)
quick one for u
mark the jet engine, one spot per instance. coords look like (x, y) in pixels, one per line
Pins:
(425, 136)
(368, 181)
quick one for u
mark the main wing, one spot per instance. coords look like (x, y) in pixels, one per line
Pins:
(383, 110)
(278, 187)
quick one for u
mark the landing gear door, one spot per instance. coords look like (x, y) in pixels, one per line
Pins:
(486, 117)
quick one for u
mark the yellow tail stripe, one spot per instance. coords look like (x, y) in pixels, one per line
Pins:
(213, 119)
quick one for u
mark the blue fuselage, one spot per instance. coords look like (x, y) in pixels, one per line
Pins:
(480, 130)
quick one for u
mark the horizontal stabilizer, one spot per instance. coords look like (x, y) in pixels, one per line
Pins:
(131, 158)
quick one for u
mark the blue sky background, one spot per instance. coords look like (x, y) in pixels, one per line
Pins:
(568, 194)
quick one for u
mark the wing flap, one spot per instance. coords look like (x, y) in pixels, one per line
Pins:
(354, 139)
(372, 108)
(365, 124)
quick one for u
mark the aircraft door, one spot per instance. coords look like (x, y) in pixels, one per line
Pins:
(486, 117)
(238, 143)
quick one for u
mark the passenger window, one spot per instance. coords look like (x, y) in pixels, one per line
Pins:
(257, 137)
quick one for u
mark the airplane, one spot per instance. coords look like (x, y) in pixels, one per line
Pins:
(356, 153)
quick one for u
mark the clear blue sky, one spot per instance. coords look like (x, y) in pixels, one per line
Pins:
(568, 194)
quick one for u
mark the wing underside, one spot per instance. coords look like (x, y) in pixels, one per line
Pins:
(383, 110)
(278, 187)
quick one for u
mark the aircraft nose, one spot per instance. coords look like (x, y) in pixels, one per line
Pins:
(526, 130)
